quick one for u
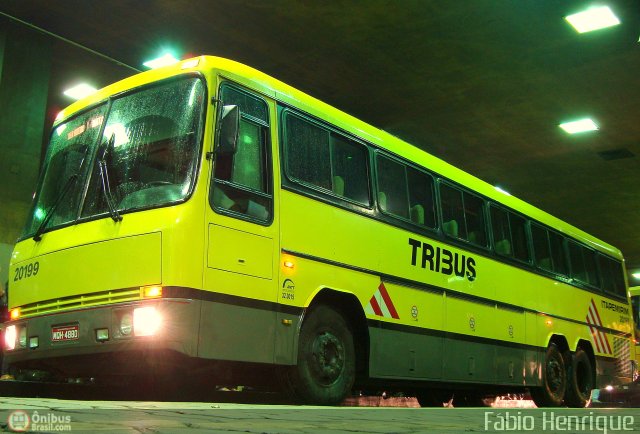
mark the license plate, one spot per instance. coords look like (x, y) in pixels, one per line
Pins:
(65, 333)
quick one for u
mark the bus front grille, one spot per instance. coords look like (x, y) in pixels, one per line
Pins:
(81, 301)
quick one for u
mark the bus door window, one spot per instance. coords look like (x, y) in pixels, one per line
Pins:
(241, 183)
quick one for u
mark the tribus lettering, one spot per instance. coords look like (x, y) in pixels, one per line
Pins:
(442, 260)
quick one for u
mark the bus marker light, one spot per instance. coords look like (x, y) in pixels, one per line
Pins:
(288, 264)
(549, 322)
(15, 313)
(146, 321)
(10, 335)
(102, 335)
(34, 342)
(152, 291)
(287, 322)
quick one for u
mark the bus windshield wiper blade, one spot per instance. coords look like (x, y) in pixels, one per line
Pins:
(104, 177)
(67, 186)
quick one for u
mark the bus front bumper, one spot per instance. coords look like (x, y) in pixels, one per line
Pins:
(118, 338)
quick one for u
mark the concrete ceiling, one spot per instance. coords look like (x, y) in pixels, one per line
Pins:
(482, 84)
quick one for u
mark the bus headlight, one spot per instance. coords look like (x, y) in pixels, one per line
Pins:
(126, 324)
(10, 335)
(146, 321)
(22, 341)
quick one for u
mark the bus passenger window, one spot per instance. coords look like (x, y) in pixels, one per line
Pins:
(583, 264)
(474, 219)
(541, 247)
(392, 184)
(558, 255)
(463, 213)
(452, 212)
(421, 198)
(518, 227)
(612, 276)
(509, 234)
(349, 168)
(242, 180)
(308, 155)
(500, 229)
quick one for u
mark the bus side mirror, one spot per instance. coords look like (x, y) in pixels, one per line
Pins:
(229, 128)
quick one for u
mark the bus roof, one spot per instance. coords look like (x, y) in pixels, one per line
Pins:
(284, 93)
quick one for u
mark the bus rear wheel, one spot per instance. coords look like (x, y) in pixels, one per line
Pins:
(554, 380)
(325, 372)
(581, 382)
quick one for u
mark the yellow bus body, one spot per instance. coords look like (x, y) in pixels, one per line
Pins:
(240, 291)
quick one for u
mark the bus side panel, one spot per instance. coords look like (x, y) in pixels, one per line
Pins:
(406, 351)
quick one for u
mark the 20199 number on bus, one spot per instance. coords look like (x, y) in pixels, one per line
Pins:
(209, 218)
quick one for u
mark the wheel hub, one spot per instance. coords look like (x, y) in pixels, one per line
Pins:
(328, 354)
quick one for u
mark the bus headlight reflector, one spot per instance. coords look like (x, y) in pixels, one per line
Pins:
(34, 342)
(146, 321)
(126, 324)
(10, 335)
(23, 337)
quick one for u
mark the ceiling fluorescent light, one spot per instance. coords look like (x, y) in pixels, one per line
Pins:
(636, 275)
(579, 126)
(165, 60)
(593, 19)
(80, 91)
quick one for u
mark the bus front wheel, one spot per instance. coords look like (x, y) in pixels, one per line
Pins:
(554, 380)
(325, 371)
(580, 380)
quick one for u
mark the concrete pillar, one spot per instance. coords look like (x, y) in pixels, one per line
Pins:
(25, 66)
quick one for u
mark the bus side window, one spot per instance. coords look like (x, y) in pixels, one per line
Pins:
(421, 197)
(558, 255)
(349, 169)
(500, 229)
(612, 276)
(327, 160)
(241, 183)
(541, 247)
(452, 212)
(392, 185)
(463, 215)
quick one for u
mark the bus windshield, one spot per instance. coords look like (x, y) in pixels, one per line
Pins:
(139, 151)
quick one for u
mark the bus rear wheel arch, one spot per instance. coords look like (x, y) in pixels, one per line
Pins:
(326, 364)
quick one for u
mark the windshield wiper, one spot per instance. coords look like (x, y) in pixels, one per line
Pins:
(67, 186)
(104, 177)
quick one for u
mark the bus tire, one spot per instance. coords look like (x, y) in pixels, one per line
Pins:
(554, 380)
(580, 376)
(325, 371)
